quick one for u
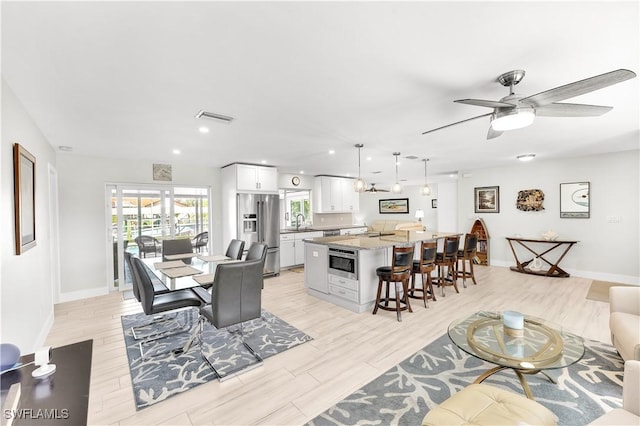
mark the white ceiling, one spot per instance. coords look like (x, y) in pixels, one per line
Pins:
(125, 79)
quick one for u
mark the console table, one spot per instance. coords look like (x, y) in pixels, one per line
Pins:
(554, 271)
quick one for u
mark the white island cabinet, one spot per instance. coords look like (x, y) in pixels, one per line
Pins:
(315, 268)
(357, 295)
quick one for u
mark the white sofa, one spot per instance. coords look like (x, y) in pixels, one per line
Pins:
(390, 226)
(629, 414)
(624, 321)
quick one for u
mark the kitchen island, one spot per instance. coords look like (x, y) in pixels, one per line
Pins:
(342, 269)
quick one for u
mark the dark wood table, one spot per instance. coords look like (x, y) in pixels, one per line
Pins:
(60, 399)
(554, 269)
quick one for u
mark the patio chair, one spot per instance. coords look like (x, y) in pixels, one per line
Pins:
(148, 245)
(200, 240)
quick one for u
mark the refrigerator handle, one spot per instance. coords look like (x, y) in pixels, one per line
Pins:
(259, 221)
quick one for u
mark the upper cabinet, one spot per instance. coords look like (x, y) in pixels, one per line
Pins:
(256, 178)
(334, 195)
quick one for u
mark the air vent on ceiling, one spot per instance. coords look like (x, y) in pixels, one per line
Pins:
(411, 157)
(375, 173)
(214, 116)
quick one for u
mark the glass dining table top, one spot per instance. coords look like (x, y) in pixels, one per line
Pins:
(200, 271)
(541, 345)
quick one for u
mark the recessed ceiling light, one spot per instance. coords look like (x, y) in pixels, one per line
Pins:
(348, 174)
(264, 161)
(203, 129)
(301, 172)
(331, 151)
(526, 157)
(368, 158)
(176, 151)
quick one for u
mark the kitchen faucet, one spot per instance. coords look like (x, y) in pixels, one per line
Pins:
(298, 220)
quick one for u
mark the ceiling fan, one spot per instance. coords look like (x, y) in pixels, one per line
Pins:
(515, 111)
(373, 189)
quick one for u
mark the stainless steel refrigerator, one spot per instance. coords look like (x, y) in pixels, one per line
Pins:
(258, 223)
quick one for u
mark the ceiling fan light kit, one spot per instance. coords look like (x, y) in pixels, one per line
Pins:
(359, 185)
(511, 119)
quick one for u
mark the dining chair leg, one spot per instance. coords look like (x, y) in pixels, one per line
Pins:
(405, 287)
(424, 290)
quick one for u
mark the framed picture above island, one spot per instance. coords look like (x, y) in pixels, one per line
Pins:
(394, 206)
(487, 199)
(24, 180)
(574, 200)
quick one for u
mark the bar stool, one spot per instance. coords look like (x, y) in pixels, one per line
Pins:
(425, 265)
(447, 259)
(466, 255)
(398, 272)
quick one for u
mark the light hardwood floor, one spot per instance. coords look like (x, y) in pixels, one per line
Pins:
(348, 349)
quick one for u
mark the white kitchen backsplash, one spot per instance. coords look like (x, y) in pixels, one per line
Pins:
(331, 219)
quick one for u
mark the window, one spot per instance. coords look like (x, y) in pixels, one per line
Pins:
(293, 203)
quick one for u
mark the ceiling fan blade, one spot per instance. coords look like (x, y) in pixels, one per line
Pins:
(458, 122)
(492, 134)
(484, 103)
(578, 88)
(571, 110)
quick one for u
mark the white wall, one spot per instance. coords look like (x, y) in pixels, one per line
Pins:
(606, 251)
(83, 245)
(25, 281)
(369, 206)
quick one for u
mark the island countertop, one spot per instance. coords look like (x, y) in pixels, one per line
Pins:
(363, 242)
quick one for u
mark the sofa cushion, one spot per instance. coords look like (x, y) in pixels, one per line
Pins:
(625, 334)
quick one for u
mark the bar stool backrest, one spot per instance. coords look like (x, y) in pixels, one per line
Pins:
(428, 251)
(402, 259)
(451, 247)
(470, 244)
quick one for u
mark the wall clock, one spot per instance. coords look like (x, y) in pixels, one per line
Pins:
(295, 181)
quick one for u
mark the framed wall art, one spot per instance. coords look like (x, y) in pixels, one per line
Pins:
(530, 200)
(575, 200)
(24, 193)
(394, 206)
(487, 199)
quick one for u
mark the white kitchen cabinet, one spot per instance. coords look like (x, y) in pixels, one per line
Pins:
(292, 245)
(334, 195)
(256, 178)
(287, 250)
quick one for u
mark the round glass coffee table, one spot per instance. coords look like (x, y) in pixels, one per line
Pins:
(541, 345)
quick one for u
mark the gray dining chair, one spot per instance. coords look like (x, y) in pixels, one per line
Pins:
(236, 297)
(177, 246)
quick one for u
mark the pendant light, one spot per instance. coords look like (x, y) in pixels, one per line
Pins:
(425, 189)
(359, 185)
(396, 188)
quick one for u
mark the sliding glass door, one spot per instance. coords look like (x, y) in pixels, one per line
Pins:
(140, 217)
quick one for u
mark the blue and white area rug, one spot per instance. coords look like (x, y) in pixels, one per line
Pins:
(162, 374)
(404, 394)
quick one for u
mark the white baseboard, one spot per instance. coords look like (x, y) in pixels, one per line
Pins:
(592, 275)
(82, 294)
